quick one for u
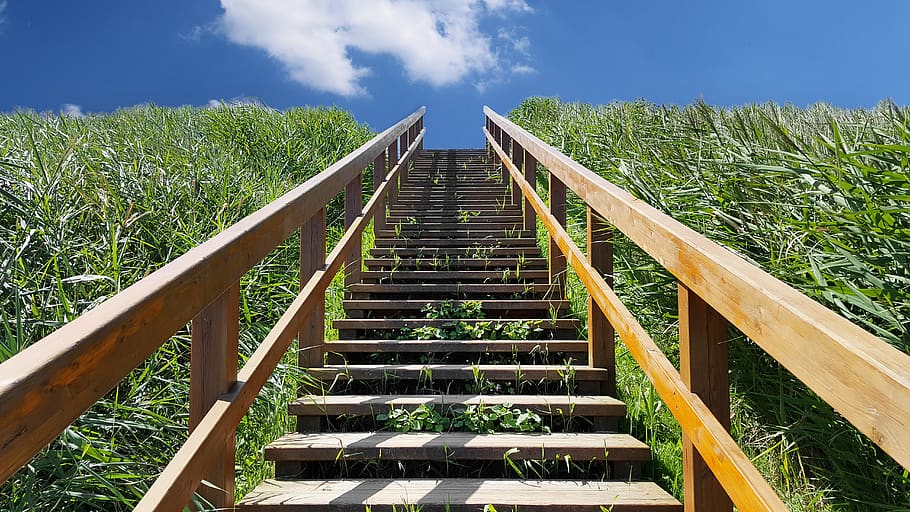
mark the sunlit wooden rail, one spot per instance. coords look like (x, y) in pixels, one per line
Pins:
(862, 377)
(49, 384)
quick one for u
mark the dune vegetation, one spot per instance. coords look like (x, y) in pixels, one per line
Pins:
(820, 198)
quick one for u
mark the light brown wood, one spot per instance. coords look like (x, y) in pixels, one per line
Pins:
(175, 485)
(550, 405)
(353, 204)
(862, 377)
(601, 349)
(47, 385)
(330, 446)
(703, 365)
(310, 351)
(745, 485)
(459, 495)
(213, 370)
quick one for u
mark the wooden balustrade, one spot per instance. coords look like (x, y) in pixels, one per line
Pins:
(49, 384)
(862, 377)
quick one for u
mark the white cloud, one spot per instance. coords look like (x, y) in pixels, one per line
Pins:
(242, 101)
(436, 41)
(523, 69)
(72, 110)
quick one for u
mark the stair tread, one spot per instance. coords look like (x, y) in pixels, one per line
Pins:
(459, 494)
(458, 371)
(464, 346)
(485, 303)
(457, 445)
(578, 405)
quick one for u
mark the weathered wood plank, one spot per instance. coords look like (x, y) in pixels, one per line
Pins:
(602, 349)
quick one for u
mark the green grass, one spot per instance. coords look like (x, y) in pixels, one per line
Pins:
(820, 198)
(89, 206)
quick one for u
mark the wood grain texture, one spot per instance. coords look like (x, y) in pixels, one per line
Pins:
(458, 495)
(703, 365)
(601, 348)
(213, 370)
(558, 211)
(863, 378)
(47, 385)
(353, 206)
(733, 469)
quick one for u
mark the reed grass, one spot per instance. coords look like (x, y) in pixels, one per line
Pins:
(818, 197)
(89, 206)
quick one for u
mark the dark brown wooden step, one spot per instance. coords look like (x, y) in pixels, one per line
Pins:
(415, 323)
(454, 263)
(458, 276)
(485, 305)
(458, 495)
(494, 372)
(454, 252)
(454, 288)
(549, 405)
(491, 241)
(436, 446)
(455, 226)
(463, 346)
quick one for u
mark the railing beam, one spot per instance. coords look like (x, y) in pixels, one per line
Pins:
(213, 370)
(703, 338)
(601, 335)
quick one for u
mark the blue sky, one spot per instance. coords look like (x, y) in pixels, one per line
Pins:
(380, 59)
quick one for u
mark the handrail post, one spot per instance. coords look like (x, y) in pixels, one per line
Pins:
(507, 149)
(518, 157)
(213, 370)
(403, 144)
(530, 216)
(392, 162)
(311, 337)
(703, 339)
(557, 260)
(601, 336)
(379, 173)
(353, 207)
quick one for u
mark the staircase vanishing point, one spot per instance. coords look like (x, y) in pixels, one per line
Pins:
(453, 234)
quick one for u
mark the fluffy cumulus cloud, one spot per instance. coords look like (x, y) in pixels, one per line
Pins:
(69, 109)
(438, 42)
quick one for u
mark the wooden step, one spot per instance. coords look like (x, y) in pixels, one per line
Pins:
(470, 252)
(485, 305)
(415, 323)
(458, 495)
(401, 211)
(493, 372)
(454, 289)
(586, 446)
(456, 346)
(454, 226)
(451, 263)
(459, 276)
(468, 232)
(550, 405)
(491, 241)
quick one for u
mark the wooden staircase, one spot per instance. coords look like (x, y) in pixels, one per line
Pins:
(454, 241)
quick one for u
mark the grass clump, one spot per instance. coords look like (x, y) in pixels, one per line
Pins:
(90, 206)
(818, 197)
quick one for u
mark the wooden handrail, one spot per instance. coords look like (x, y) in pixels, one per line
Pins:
(861, 376)
(49, 384)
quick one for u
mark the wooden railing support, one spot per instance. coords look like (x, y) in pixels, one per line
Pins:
(392, 161)
(353, 206)
(213, 370)
(518, 155)
(530, 218)
(403, 144)
(311, 336)
(703, 338)
(557, 260)
(601, 335)
(506, 146)
(379, 174)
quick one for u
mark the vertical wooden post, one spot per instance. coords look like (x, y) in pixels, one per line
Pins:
(311, 337)
(497, 136)
(703, 339)
(403, 144)
(530, 220)
(353, 207)
(379, 173)
(506, 149)
(601, 337)
(393, 161)
(213, 370)
(556, 257)
(518, 157)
